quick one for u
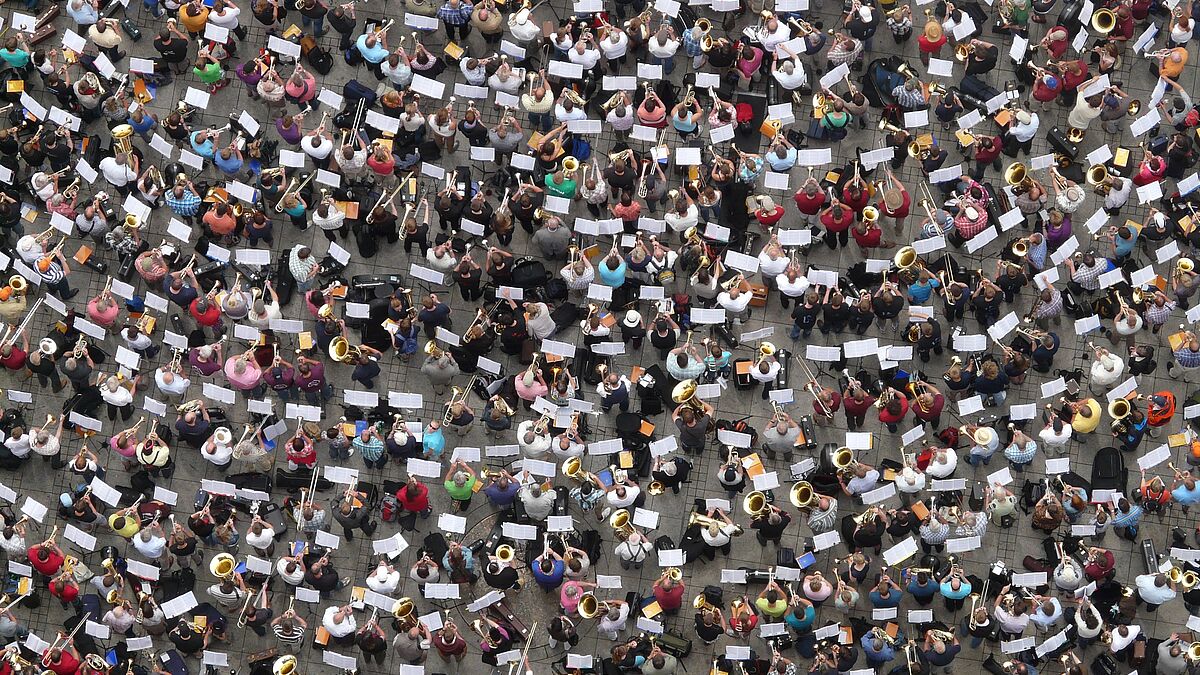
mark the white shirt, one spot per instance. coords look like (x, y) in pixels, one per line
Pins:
(443, 264)
(617, 502)
(511, 85)
(1056, 440)
(1151, 594)
(540, 445)
(117, 174)
(734, 305)
(631, 552)
(620, 123)
(772, 267)
(217, 453)
(769, 376)
(151, 550)
(541, 326)
(588, 59)
(796, 79)
(615, 50)
(270, 311)
(1101, 374)
(722, 537)
(19, 447)
(120, 397)
(228, 18)
(262, 540)
(903, 484)
(943, 464)
(573, 449)
(792, 289)
(1117, 197)
(293, 579)
(178, 384)
(317, 147)
(664, 50)
(525, 31)
(1120, 642)
(338, 630)
(681, 222)
(1026, 132)
(782, 34)
(383, 581)
(564, 115)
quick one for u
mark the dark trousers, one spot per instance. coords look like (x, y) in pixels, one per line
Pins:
(463, 31)
(126, 411)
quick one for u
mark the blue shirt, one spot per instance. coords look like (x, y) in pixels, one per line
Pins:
(810, 615)
(919, 292)
(468, 559)
(548, 581)
(501, 497)
(375, 54)
(947, 591)
(230, 166)
(881, 656)
(892, 600)
(1124, 247)
(918, 591)
(614, 278)
(1129, 518)
(434, 442)
(1185, 496)
(781, 164)
(205, 149)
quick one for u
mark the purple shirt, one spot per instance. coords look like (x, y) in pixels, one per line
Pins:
(206, 368)
(315, 380)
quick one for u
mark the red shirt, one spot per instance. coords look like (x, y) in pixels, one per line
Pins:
(857, 205)
(51, 565)
(835, 402)
(837, 225)
(809, 205)
(854, 407)
(209, 318)
(868, 238)
(669, 599)
(931, 47)
(769, 219)
(1071, 80)
(68, 594)
(902, 212)
(66, 664)
(935, 410)
(1042, 92)
(986, 156)
(1099, 569)
(15, 358)
(886, 417)
(418, 503)
(305, 456)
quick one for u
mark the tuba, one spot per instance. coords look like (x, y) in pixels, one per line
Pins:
(505, 553)
(1104, 21)
(589, 606)
(755, 504)
(222, 566)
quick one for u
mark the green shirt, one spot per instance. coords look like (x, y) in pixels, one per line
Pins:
(463, 493)
(17, 58)
(210, 74)
(564, 189)
(774, 611)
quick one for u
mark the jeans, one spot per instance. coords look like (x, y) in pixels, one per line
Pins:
(668, 64)
(541, 121)
(997, 398)
(319, 397)
(317, 25)
(976, 460)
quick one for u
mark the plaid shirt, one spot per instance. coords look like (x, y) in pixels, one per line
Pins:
(1185, 357)
(1157, 316)
(1088, 277)
(1049, 310)
(187, 205)
(935, 532)
(456, 16)
(371, 449)
(1018, 454)
(691, 44)
(909, 98)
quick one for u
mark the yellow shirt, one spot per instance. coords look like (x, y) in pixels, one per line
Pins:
(1086, 425)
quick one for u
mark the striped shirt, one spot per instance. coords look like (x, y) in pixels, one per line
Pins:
(1088, 277)
(1157, 316)
(53, 273)
(288, 637)
(1129, 518)
(823, 521)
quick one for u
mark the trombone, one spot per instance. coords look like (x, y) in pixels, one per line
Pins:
(812, 388)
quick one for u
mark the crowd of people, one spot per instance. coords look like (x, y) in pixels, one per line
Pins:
(605, 369)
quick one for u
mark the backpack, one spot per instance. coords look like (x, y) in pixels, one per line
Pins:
(355, 90)
(320, 60)
(388, 508)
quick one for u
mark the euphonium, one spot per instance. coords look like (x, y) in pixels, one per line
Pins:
(18, 284)
(433, 350)
(1119, 410)
(1193, 652)
(405, 613)
(619, 521)
(884, 125)
(573, 469)
(505, 553)
(342, 351)
(570, 165)
(1184, 266)
(906, 258)
(843, 458)
(870, 215)
(589, 606)
(121, 134)
(684, 393)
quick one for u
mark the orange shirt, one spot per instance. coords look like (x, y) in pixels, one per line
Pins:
(1172, 69)
(193, 24)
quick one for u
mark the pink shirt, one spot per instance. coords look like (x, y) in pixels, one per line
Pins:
(532, 392)
(248, 379)
(570, 604)
(124, 451)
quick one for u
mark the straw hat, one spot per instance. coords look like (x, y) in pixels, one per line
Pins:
(984, 436)
(933, 31)
(632, 319)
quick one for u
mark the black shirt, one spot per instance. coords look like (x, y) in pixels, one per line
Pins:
(838, 316)
(619, 181)
(341, 21)
(805, 316)
(707, 633)
(888, 308)
(173, 50)
(768, 530)
(502, 580)
(984, 60)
